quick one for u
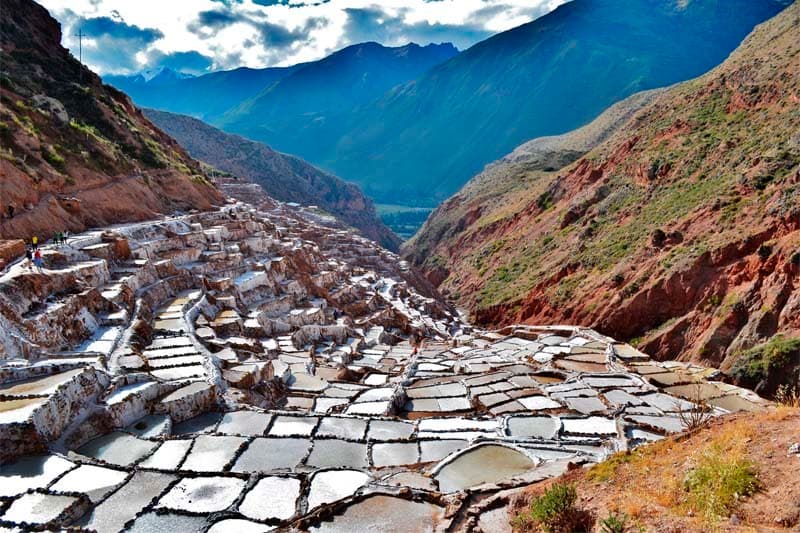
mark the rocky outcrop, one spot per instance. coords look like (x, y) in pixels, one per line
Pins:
(76, 153)
(681, 231)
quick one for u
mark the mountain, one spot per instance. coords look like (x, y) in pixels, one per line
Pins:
(301, 112)
(420, 142)
(76, 153)
(284, 177)
(206, 97)
(279, 105)
(680, 232)
(155, 77)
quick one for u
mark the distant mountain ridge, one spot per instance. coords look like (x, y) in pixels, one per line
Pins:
(423, 140)
(308, 107)
(282, 176)
(410, 125)
(356, 73)
(158, 76)
(206, 97)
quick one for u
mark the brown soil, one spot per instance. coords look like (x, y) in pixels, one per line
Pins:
(647, 486)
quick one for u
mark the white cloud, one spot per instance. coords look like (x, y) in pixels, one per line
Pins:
(232, 33)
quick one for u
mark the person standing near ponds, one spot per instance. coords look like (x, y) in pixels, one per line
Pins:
(28, 257)
(37, 260)
(35, 242)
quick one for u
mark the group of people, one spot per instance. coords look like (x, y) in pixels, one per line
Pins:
(34, 255)
(60, 238)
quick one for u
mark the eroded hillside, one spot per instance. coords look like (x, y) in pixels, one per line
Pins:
(76, 153)
(679, 233)
(284, 177)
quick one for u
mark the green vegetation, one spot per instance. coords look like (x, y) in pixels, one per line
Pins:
(51, 155)
(606, 470)
(26, 124)
(555, 511)
(718, 481)
(771, 357)
(614, 523)
(87, 129)
(403, 220)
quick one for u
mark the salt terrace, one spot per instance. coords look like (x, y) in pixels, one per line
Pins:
(258, 369)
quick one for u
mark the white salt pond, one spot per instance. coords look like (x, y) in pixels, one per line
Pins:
(331, 485)
(485, 463)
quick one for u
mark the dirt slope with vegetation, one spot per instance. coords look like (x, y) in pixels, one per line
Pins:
(76, 153)
(736, 474)
(681, 232)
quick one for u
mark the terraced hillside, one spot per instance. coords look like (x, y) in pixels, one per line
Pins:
(76, 153)
(680, 232)
(250, 368)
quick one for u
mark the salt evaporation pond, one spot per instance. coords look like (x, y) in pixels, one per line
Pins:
(329, 486)
(202, 494)
(482, 464)
(338, 453)
(31, 473)
(158, 523)
(385, 513)
(117, 448)
(264, 454)
(273, 498)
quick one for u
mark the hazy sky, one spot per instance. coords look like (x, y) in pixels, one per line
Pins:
(125, 36)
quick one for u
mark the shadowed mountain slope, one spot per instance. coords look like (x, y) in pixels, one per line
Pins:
(282, 176)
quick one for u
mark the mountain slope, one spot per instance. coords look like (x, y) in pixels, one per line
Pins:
(422, 141)
(681, 231)
(206, 97)
(303, 111)
(76, 153)
(659, 486)
(284, 177)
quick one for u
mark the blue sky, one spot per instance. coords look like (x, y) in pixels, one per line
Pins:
(196, 36)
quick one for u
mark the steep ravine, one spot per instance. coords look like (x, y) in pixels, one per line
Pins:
(681, 232)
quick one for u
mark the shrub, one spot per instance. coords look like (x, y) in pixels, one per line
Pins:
(614, 523)
(555, 512)
(788, 395)
(718, 481)
(50, 155)
(771, 357)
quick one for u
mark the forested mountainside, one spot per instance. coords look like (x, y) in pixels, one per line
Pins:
(77, 153)
(680, 232)
(422, 141)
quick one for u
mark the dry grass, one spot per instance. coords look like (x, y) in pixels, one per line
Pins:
(721, 467)
(699, 414)
(788, 396)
